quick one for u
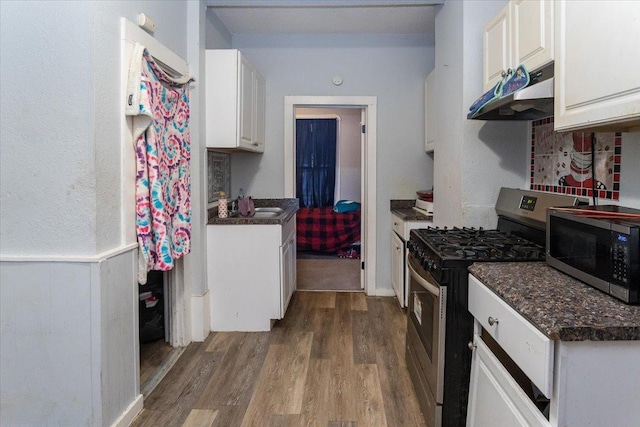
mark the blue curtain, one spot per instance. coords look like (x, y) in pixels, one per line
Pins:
(315, 161)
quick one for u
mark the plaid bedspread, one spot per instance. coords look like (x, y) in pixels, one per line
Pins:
(323, 230)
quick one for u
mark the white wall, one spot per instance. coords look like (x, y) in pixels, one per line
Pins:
(393, 68)
(348, 153)
(72, 358)
(474, 158)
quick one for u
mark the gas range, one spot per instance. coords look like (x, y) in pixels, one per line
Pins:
(438, 249)
(439, 325)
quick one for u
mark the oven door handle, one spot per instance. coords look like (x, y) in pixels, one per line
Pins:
(423, 282)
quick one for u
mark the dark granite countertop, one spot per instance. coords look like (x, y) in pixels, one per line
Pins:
(290, 207)
(560, 306)
(403, 209)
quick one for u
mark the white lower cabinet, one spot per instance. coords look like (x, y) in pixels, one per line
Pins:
(586, 383)
(400, 230)
(288, 272)
(495, 398)
(397, 265)
(251, 274)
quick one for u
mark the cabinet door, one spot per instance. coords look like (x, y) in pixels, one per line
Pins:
(429, 110)
(597, 81)
(496, 48)
(397, 267)
(245, 107)
(531, 33)
(288, 273)
(495, 398)
(259, 112)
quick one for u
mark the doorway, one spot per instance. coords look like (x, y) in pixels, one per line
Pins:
(154, 363)
(328, 187)
(366, 107)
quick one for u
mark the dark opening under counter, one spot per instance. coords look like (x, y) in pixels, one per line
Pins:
(560, 306)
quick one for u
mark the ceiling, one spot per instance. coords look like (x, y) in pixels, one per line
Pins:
(326, 16)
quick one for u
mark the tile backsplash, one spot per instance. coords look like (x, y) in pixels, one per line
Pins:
(562, 162)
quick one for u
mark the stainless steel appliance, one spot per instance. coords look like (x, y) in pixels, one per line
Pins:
(439, 326)
(599, 245)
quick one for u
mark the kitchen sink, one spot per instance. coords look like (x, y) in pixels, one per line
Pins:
(261, 212)
(266, 214)
(270, 209)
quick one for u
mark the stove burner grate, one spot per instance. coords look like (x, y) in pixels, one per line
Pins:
(468, 243)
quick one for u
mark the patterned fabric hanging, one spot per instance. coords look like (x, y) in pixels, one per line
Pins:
(160, 106)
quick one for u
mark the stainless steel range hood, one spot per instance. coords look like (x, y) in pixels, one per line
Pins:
(530, 103)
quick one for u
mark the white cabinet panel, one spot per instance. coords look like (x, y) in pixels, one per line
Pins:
(496, 48)
(596, 70)
(532, 33)
(401, 230)
(259, 113)
(527, 346)
(521, 33)
(397, 266)
(251, 274)
(235, 102)
(495, 398)
(288, 269)
(246, 106)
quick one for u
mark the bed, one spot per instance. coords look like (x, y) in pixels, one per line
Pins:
(324, 230)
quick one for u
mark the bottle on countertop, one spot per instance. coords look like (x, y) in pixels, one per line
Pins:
(223, 210)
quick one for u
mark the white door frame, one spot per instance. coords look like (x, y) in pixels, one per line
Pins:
(369, 104)
(130, 34)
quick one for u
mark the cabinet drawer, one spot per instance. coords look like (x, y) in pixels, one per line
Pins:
(529, 348)
(397, 225)
(403, 227)
(288, 229)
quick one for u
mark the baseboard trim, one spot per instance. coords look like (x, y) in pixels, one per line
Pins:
(130, 413)
(200, 316)
(385, 292)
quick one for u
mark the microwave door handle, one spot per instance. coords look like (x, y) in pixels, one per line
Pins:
(433, 289)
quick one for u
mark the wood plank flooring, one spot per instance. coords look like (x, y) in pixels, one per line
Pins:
(336, 359)
(328, 274)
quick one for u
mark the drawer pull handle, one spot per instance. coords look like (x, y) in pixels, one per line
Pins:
(471, 345)
(492, 321)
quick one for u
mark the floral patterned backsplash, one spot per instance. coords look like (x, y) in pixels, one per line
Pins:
(561, 162)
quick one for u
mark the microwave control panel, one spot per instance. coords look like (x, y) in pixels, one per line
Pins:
(620, 257)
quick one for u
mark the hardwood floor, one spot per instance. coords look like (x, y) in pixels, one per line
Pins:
(152, 354)
(336, 359)
(328, 274)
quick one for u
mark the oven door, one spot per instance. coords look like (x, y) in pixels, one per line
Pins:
(427, 313)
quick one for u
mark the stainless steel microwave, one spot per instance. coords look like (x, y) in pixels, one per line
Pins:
(598, 245)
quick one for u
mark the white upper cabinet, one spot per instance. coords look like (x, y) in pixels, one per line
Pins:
(522, 33)
(259, 113)
(496, 48)
(235, 102)
(597, 67)
(429, 113)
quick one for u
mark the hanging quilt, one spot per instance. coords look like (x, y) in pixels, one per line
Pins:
(159, 104)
